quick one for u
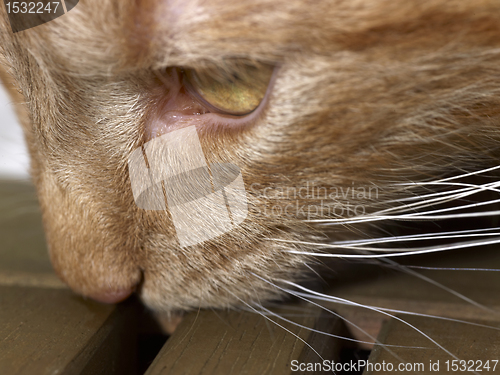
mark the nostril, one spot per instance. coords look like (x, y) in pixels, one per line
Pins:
(112, 296)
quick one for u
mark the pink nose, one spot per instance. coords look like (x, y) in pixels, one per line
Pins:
(112, 296)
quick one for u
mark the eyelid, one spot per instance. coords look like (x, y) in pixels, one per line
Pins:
(163, 118)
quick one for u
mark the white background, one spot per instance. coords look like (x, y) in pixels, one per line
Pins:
(14, 160)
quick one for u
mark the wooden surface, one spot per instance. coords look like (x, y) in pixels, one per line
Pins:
(478, 344)
(246, 343)
(23, 253)
(399, 291)
(51, 331)
(46, 329)
(396, 290)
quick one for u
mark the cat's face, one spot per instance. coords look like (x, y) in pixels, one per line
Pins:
(364, 95)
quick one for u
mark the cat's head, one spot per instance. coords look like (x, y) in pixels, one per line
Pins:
(355, 98)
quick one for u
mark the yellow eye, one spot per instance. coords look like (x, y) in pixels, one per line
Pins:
(237, 93)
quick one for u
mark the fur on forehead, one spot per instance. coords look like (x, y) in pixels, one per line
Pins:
(129, 35)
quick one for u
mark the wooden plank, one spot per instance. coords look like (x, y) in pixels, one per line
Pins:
(52, 331)
(399, 291)
(24, 258)
(209, 342)
(44, 331)
(477, 345)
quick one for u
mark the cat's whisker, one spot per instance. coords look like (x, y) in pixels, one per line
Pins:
(492, 186)
(331, 334)
(453, 268)
(394, 252)
(312, 270)
(439, 285)
(408, 217)
(274, 322)
(449, 197)
(374, 340)
(467, 188)
(329, 298)
(422, 237)
(448, 209)
(444, 197)
(455, 177)
(295, 285)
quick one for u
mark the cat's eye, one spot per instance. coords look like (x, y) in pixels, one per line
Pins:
(237, 93)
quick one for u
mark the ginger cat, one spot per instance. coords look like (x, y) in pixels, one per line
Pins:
(335, 112)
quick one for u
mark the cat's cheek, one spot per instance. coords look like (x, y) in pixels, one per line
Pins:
(91, 259)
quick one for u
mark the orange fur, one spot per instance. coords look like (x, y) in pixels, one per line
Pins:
(371, 91)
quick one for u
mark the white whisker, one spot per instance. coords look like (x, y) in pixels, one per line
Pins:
(279, 325)
(468, 174)
(407, 217)
(439, 285)
(324, 333)
(375, 341)
(456, 192)
(477, 204)
(381, 312)
(328, 298)
(453, 268)
(397, 251)
(446, 196)
(426, 236)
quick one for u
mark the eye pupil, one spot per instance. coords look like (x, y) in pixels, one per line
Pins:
(237, 93)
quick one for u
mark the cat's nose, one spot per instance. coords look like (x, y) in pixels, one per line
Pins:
(112, 296)
(103, 284)
(101, 276)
